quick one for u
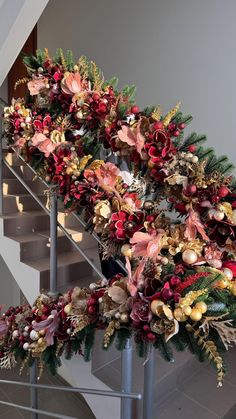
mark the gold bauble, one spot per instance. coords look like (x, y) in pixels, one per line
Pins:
(67, 308)
(187, 310)
(126, 250)
(189, 256)
(124, 317)
(233, 290)
(69, 171)
(40, 341)
(222, 284)
(195, 315)
(201, 306)
(179, 315)
(42, 332)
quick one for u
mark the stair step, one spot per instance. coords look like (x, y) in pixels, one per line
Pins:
(24, 222)
(21, 202)
(14, 187)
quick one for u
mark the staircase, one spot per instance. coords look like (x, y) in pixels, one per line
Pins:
(184, 388)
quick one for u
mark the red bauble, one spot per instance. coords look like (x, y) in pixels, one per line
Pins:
(92, 309)
(181, 126)
(167, 294)
(192, 148)
(135, 109)
(96, 96)
(151, 336)
(158, 125)
(176, 133)
(223, 191)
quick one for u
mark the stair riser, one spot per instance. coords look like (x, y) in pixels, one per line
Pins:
(14, 187)
(13, 204)
(40, 249)
(68, 274)
(18, 226)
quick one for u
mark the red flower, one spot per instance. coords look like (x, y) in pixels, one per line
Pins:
(124, 225)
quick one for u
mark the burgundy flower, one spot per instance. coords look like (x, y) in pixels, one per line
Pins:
(141, 311)
(124, 225)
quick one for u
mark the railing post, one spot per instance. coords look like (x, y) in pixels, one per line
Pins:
(53, 243)
(33, 390)
(1, 179)
(148, 387)
(126, 380)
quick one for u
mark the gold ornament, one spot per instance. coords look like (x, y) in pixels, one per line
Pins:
(124, 317)
(233, 289)
(201, 306)
(171, 114)
(155, 304)
(126, 250)
(67, 308)
(180, 315)
(187, 310)
(195, 315)
(189, 256)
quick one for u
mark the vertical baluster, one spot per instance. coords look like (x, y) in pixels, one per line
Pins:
(53, 243)
(148, 393)
(33, 390)
(126, 380)
(1, 179)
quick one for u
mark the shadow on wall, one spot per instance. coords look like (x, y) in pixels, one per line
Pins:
(10, 294)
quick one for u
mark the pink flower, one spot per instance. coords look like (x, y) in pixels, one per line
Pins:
(36, 85)
(50, 325)
(43, 143)
(107, 176)
(194, 226)
(71, 83)
(147, 245)
(3, 328)
(135, 278)
(132, 137)
(141, 312)
(20, 142)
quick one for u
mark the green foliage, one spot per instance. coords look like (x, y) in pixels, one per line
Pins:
(69, 60)
(128, 92)
(122, 335)
(88, 342)
(112, 82)
(148, 111)
(192, 139)
(141, 348)
(122, 109)
(31, 62)
(164, 349)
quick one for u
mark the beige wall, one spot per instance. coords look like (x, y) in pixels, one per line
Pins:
(171, 49)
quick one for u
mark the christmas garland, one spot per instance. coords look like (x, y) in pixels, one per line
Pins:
(161, 202)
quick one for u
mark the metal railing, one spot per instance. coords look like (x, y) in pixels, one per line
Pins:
(125, 394)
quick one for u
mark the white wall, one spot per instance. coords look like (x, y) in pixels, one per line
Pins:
(171, 49)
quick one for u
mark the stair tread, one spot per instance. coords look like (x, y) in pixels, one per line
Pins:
(64, 259)
(39, 235)
(24, 214)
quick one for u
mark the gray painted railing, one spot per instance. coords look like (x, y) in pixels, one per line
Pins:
(126, 368)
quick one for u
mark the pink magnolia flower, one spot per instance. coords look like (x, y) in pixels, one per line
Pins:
(43, 143)
(132, 137)
(107, 176)
(135, 278)
(36, 85)
(147, 245)
(50, 325)
(194, 226)
(71, 83)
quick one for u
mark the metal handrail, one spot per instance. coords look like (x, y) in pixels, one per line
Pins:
(82, 390)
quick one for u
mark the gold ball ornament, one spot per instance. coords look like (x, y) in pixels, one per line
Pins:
(201, 306)
(180, 315)
(126, 250)
(222, 284)
(233, 289)
(187, 310)
(189, 256)
(67, 308)
(195, 315)
(233, 217)
(124, 317)
(69, 171)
